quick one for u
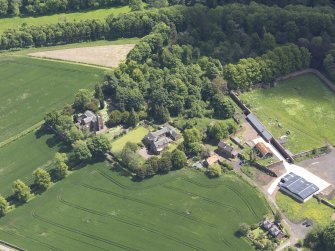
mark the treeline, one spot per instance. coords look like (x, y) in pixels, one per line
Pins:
(281, 3)
(280, 61)
(42, 180)
(236, 31)
(46, 7)
(135, 24)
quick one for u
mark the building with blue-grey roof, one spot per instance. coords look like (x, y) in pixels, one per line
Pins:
(260, 128)
(297, 187)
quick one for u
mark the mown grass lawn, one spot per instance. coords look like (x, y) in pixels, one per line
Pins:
(312, 209)
(32, 87)
(135, 136)
(16, 22)
(302, 106)
(97, 209)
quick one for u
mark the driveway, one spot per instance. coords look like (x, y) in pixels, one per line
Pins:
(307, 175)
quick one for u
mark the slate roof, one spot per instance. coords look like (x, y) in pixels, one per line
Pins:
(223, 145)
(259, 127)
(298, 185)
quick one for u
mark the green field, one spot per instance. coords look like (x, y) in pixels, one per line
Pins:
(20, 158)
(311, 209)
(97, 209)
(134, 136)
(32, 87)
(302, 106)
(16, 22)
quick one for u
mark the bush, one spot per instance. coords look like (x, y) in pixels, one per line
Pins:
(214, 171)
(3, 206)
(42, 178)
(21, 191)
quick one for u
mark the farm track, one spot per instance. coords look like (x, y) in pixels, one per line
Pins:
(214, 202)
(150, 204)
(234, 190)
(91, 236)
(33, 239)
(131, 223)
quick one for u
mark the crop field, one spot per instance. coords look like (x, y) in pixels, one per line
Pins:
(311, 209)
(16, 22)
(302, 107)
(32, 87)
(183, 210)
(20, 158)
(134, 136)
(107, 56)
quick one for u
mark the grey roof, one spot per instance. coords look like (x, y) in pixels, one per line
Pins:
(223, 145)
(161, 142)
(259, 127)
(154, 136)
(298, 185)
(267, 224)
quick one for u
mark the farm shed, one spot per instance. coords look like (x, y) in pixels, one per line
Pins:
(263, 150)
(260, 128)
(297, 187)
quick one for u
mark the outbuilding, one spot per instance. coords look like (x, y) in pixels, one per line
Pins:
(263, 150)
(297, 187)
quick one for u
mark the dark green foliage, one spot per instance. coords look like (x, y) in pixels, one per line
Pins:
(133, 119)
(214, 171)
(99, 146)
(264, 69)
(223, 107)
(21, 191)
(178, 159)
(322, 238)
(81, 152)
(42, 178)
(165, 163)
(4, 205)
(47, 7)
(130, 159)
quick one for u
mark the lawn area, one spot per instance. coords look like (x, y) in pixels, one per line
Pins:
(134, 136)
(302, 106)
(32, 87)
(20, 158)
(16, 22)
(296, 212)
(183, 210)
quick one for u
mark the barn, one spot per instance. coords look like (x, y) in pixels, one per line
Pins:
(297, 187)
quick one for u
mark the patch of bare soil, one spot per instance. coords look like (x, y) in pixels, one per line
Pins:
(107, 56)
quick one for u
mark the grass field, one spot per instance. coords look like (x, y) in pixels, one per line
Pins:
(32, 87)
(183, 210)
(134, 136)
(296, 212)
(20, 158)
(304, 106)
(16, 22)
